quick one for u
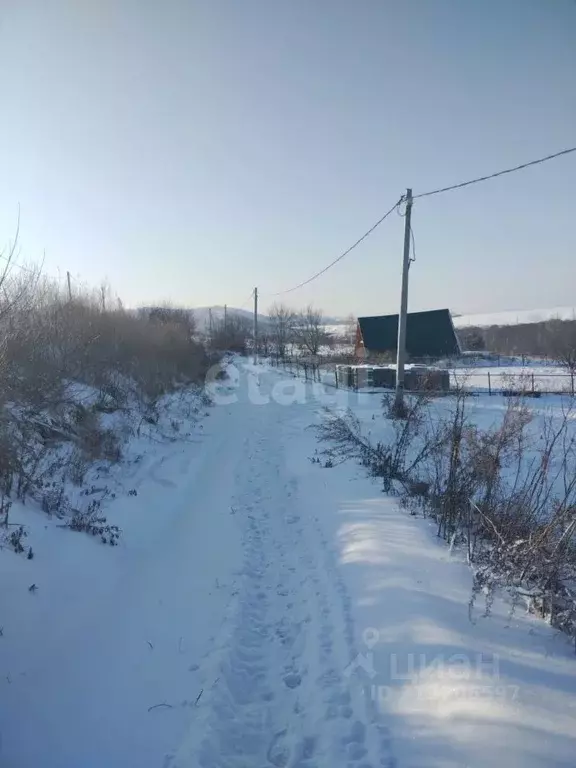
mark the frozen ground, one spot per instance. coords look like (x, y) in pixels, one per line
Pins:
(262, 610)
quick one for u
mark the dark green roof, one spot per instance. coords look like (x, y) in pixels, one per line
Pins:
(428, 334)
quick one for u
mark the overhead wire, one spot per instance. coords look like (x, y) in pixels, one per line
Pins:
(247, 300)
(342, 255)
(438, 191)
(495, 175)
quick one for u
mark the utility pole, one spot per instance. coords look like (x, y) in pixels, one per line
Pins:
(225, 317)
(255, 326)
(69, 286)
(401, 347)
(210, 324)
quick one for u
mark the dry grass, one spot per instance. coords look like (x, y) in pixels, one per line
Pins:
(49, 345)
(509, 499)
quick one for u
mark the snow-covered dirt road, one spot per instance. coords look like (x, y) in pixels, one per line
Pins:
(265, 611)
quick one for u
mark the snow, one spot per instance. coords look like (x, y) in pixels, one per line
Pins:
(455, 693)
(264, 610)
(545, 378)
(514, 317)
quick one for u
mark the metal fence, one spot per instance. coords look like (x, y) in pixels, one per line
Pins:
(474, 379)
(528, 382)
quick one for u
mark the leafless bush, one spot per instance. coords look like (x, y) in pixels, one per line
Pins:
(120, 353)
(281, 328)
(92, 521)
(95, 442)
(392, 461)
(309, 331)
(530, 525)
(563, 346)
(14, 538)
(508, 499)
(231, 334)
(53, 347)
(77, 467)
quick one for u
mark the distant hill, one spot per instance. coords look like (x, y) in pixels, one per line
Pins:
(202, 315)
(514, 317)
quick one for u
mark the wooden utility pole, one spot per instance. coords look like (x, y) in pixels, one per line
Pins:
(69, 286)
(255, 326)
(401, 347)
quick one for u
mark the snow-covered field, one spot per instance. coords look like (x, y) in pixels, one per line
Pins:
(262, 610)
(514, 317)
(537, 378)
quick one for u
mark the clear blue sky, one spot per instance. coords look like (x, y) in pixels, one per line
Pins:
(189, 150)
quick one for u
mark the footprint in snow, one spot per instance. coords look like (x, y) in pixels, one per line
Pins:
(293, 680)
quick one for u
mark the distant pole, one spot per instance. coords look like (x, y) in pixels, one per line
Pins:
(225, 316)
(210, 324)
(255, 326)
(69, 286)
(401, 351)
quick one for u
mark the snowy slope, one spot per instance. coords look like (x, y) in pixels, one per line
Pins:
(265, 611)
(514, 317)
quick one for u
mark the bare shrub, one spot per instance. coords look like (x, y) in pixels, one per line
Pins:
(282, 321)
(509, 499)
(53, 347)
(77, 467)
(119, 353)
(92, 521)
(15, 538)
(393, 461)
(231, 334)
(309, 331)
(563, 346)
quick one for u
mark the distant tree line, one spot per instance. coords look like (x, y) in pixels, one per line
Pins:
(552, 339)
(280, 333)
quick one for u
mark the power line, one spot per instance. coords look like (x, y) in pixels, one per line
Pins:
(342, 255)
(425, 194)
(498, 173)
(250, 297)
